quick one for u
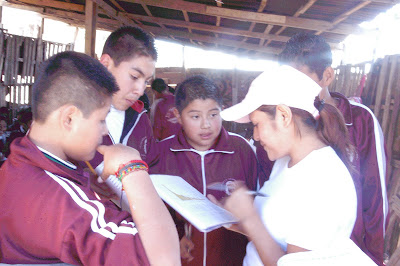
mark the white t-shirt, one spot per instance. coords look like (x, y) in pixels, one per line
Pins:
(115, 123)
(311, 204)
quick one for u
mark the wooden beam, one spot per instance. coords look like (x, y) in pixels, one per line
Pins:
(391, 2)
(299, 12)
(90, 27)
(113, 13)
(78, 19)
(54, 4)
(115, 3)
(253, 24)
(346, 14)
(202, 38)
(186, 16)
(303, 23)
(204, 27)
(1, 16)
(262, 6)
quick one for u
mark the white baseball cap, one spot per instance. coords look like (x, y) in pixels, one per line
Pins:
(283, 85)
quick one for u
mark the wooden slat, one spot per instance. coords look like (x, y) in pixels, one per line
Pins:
(55, 4)
(90, 27)
(346, 14)
(380, 87)
(198, 37)
(388, 97)
(299, 12)
(114, 13)
(303, 23)
(215, 29)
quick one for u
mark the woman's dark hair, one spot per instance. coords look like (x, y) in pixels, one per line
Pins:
(330, 126)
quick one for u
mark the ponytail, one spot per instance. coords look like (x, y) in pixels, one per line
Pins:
(332, 130)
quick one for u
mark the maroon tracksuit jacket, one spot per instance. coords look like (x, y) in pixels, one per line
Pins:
(231, 158)
(49, 214)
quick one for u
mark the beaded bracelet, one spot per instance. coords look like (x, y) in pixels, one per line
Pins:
(132, 166)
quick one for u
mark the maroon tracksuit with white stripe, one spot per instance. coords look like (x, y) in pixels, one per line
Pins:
(49, 214)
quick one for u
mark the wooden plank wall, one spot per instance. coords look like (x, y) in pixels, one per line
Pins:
(381, 94)
(20, 58)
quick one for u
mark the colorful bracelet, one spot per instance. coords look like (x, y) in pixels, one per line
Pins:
(132, 166)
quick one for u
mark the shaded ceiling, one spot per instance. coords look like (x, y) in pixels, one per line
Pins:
(253, 28)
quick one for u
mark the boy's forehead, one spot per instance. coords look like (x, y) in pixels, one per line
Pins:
(146, 65)
(202, 105)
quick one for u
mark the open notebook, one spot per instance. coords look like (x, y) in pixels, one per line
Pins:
(190, 203)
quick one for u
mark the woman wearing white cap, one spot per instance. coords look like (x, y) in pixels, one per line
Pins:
(311, 199)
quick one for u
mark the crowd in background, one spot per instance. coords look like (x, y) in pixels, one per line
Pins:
(12, 127)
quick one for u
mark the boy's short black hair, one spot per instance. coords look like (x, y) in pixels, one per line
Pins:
(307, 49)
(196, 87)
(71, 78)
(159, 85)
(128, 42)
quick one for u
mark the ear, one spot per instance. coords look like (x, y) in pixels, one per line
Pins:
(283, 115)
(178, 116)
(327, 77)
(69, 115)
(106, 61)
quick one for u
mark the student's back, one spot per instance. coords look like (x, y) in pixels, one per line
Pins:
(164, 121)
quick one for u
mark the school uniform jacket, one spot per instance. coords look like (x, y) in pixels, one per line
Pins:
(230, 158)
(165, 121)
(366, 135)
(137, 133)
(49, 214)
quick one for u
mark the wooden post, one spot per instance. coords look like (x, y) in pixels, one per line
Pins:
(90, 26)
(1, 16)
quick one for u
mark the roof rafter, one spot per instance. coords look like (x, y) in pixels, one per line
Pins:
(303, 23)
(299, 12)
(346, 14)
(260, 9)
(79, 19)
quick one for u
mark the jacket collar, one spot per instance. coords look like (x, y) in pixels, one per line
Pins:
(25, 152)
(344, 107)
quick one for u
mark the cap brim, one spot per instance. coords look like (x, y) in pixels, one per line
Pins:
(239, 112)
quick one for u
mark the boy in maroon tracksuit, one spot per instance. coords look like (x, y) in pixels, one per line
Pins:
(48, 213)
(163, 118)
(129, 55)
(202, 153)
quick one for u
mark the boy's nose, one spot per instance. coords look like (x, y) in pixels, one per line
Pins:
(139, 87)
(206, 123)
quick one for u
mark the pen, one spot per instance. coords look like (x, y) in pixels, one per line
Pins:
(256, 193)
(223, 187)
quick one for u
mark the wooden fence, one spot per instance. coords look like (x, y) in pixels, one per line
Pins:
(380, 91)
(20, 58)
